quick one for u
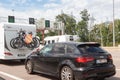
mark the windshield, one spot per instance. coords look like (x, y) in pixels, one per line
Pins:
(90, 49)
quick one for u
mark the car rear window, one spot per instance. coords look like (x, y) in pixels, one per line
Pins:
(90, 48)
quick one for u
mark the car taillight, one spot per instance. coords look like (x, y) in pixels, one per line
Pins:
(109, 57)
(7, 53)
(84, 59)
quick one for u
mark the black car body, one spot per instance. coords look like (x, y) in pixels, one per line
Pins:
(72, 60)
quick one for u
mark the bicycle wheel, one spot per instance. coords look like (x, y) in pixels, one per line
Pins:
(18, 43)
(12, 43)
(36, 42)
(30, 46)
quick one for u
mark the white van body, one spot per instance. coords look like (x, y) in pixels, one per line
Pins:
(8, 31)
(61, 38)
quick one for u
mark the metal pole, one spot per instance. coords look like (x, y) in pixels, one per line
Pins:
(101, 37)
(113, 26)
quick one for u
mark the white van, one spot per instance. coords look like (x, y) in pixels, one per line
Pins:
(60, 38)
(8, 31)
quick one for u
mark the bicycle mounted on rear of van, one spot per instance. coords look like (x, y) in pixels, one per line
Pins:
(25, 40)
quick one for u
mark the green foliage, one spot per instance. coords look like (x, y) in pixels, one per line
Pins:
(95, 34)
(85, 15)
(51, 33)
(69, 23)
(117, 31)
(82, 26)
(106, 35)
(101, 33)
(39, 35)
(82, 31)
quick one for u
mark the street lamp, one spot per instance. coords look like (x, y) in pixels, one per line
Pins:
(113, 26)
(101, 37)
(92, 19)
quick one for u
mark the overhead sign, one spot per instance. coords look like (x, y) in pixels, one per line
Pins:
(11, 19)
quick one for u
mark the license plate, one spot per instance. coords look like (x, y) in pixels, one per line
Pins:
(101, 61)
(21, 55)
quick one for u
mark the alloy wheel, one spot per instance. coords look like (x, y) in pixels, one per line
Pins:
(66, 73)
(29, 67)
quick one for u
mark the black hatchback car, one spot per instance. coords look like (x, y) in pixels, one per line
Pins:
(72, 61)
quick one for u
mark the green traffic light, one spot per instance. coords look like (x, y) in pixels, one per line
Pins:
(11, 19)
(47, 23)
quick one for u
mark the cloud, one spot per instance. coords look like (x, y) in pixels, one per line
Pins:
(51, 5)
(52, 0)
(100, 9)
(23, 1)
(39, 0)
(4, 12)
(65, 1)
(16, 2)
(103, 9)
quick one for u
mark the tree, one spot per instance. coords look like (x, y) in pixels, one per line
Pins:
(39, 35)
(102, 33)
(69, 23)
(82, 26)
(96, 33)
(51, 33)
(117, 31)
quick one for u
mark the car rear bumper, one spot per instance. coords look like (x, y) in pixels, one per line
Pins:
(86, 73)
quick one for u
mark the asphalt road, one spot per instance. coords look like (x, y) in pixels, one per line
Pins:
(14, 70)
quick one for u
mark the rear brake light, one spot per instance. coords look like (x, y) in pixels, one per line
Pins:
(109, 57)
(84, 59)
(7, 53)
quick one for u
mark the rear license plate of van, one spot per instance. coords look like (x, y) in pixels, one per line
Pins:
(21, 55)
(101, 61)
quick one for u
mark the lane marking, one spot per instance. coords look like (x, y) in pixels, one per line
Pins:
(118, 69)
(11, 76)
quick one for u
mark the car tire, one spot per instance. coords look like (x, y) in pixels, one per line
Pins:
(29, 67)
(66, 73)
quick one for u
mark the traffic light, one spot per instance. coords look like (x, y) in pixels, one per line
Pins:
(31, 21)
(47, 23)
(11, 19)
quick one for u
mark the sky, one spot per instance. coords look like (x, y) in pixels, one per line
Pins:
(101, 10)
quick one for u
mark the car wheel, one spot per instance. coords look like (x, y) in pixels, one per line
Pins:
(66, 73)
(29, 67)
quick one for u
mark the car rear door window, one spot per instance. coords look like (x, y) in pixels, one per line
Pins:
(72, 49)
(59, 49)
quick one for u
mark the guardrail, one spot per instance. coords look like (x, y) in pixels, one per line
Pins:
(112, 48)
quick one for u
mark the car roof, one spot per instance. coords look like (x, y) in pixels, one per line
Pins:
(80, 43)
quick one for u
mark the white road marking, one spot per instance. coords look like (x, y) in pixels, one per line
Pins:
(118, 69)
(11, 76)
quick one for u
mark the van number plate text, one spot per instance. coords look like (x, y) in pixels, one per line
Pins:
(101, 61)
(21, 55)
